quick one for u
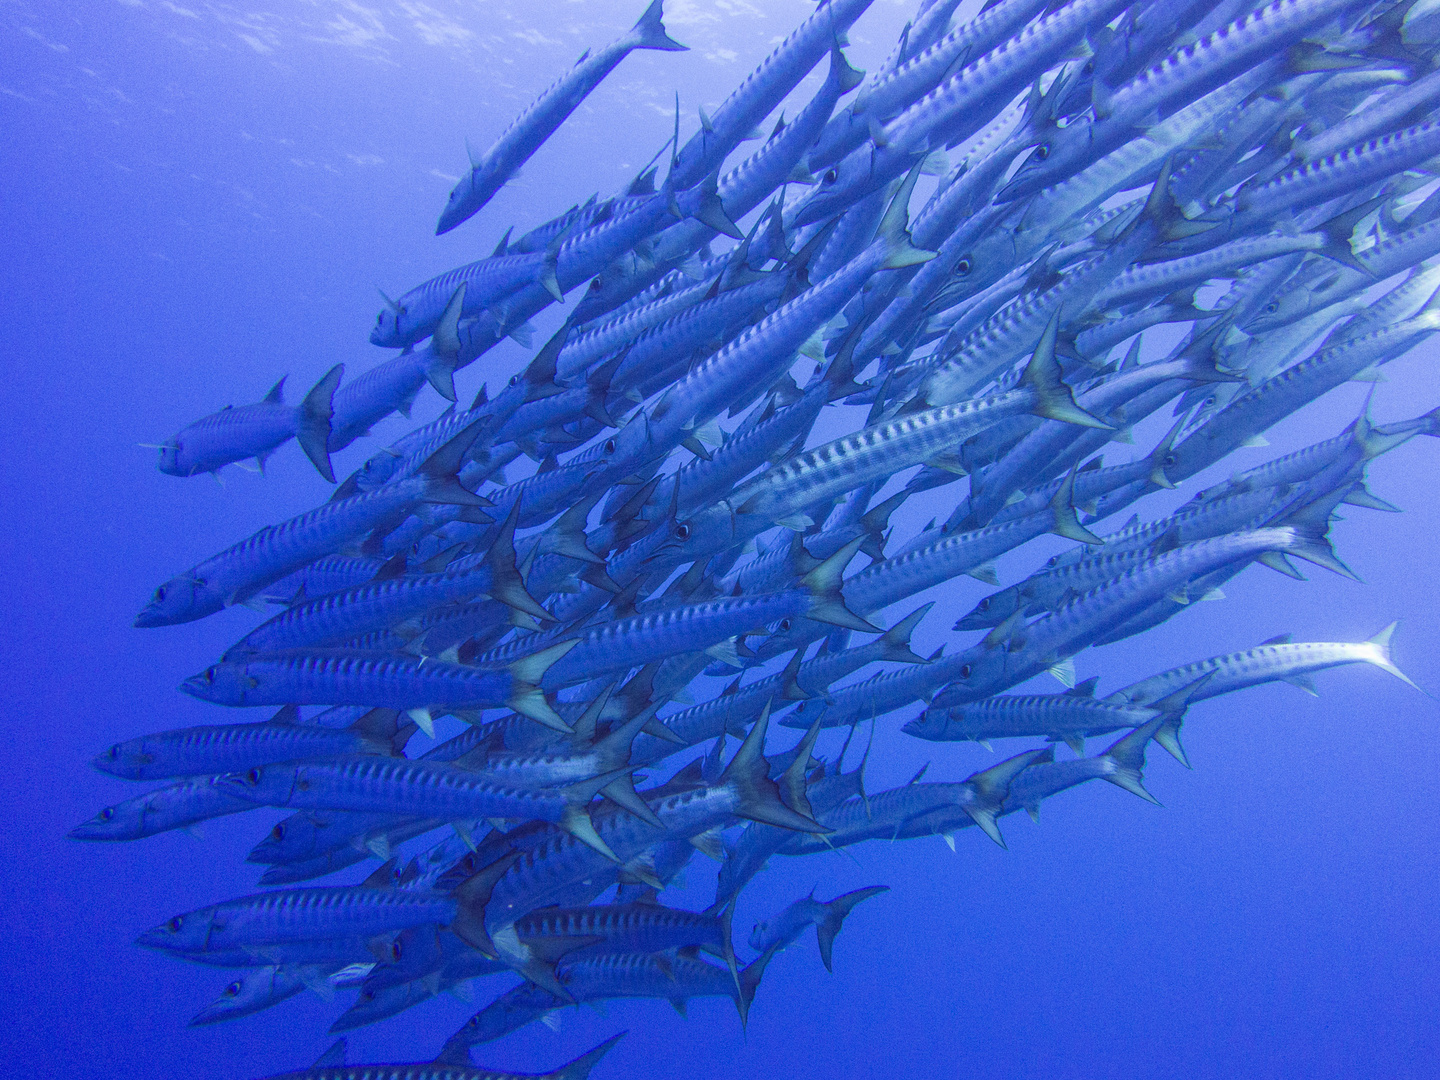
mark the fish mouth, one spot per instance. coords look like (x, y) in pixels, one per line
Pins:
(448, 221)
(149, 618)
(197, 687)
(157, 939)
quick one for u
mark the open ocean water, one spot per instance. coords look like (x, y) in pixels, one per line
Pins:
(197, 198)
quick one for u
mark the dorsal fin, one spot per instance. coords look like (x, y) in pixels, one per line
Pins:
(503, 247)
(1279, 639)
(276, 396)
(382, 878)
(588, 724)
(288, 714)
(1083, 689)
(334, 1058)
(393, 567)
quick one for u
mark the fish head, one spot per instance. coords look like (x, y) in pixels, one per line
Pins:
(757, 934)
(119, 822)
(930, 724)
(603, 286)
(990, 611)
(386, 331)
(1057, 154)
(376, 1002)
(267, 785)
(226, 683)
(981, 672)
(249, 992)
(186, 933)
(295, 839)
(1280, 310)
(468, 195)
(805, 713)
(411, 954)
(840, 185)
(170, 456)
(378, 469)
(699, 535)
(183, 598)
(128, 760)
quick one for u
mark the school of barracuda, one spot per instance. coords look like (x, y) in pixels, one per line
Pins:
(1261, 179)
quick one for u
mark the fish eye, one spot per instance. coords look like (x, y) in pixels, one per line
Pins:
(514, 380)
(965, 672)
(1042, 152)
(609, 446)
(107, 813)
(253, 776)
(1052, 560)
(830, 176)
(233, 990)
(784, 625)
(1169, 459)
(210, 676)
(1272, 307)
(984, 605)
(1089, 67)
(175, 923)
(367, 994)
(595, 285)
(395, 952)
(115, 752)
(682, 531)
(1210, 401)
(278, 832)
(160, 593)
(963, 267)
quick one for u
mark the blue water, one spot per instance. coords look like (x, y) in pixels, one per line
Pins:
(197, 198)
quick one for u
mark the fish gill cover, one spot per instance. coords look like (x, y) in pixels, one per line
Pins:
(645, 607)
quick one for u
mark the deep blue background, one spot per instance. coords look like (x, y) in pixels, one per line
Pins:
(196, 199)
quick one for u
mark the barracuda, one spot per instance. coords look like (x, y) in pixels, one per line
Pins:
(732, 712)
(1277, 660)
(896, 90)
(957, 108)
(299, 915)
(427, 789)
(1277, 397)
(241, 571)
(1260, 36)
(1031, 649)
(536, 124)
(403, 682)
(230, 747)
(763, 89)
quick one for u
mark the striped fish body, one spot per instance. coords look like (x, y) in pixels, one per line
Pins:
(763, 89)
(617, 928)
(242, 570)
(394, 786)
(1007, 716)
(338, 678)
(1260, 408)
(890, 94)
(374, 605)
(231, 434)
(1280, 662)
(227, 747)
(177, 806)
(291, 915)
(1065, 632)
